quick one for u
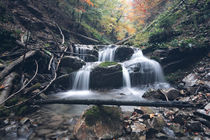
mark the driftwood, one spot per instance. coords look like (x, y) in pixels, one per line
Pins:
(7, 84)
(12, 65)
(117, 102)
(23, 87)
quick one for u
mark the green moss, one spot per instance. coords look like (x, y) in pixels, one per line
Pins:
(105, 114)
(107, 64)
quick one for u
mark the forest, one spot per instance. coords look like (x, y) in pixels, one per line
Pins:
(104, 69)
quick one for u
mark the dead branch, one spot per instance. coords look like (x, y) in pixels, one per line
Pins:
(116, 102)
(63, 38)
(43, 90)
(7, 87)
(23, 87)
(12, 65)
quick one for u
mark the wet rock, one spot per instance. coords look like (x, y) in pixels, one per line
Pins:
(154, 94)
(207, 77)
(106, 77)
(161, 136)
(44, 132)
(171, 93)
(160, 53)
(138, 127)
(99, 123)
(182, 117)
(158, 122)
(69, 64)
(123, 53)
(194, 126)
(190, 80)
(178, 130)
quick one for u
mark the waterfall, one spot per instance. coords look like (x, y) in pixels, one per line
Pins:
(137, 71)
(107, 54)
(82, 78)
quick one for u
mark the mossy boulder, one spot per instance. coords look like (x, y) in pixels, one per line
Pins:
(99, 122)
(70, 64)
(106, 75)
(123, 53)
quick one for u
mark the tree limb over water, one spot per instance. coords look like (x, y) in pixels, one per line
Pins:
(117, 102)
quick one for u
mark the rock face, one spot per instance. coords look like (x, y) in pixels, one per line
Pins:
(123, 53)
(174, 58)
(99, 123)
(69, 64)
(106, 77)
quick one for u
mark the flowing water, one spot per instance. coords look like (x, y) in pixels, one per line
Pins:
(139, 74)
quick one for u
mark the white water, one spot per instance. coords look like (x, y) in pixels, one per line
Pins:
(81, 80)
(149, 70)
(107, 54)
(126, 77)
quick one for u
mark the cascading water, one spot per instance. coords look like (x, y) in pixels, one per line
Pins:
(143, 70)
(81, 80)
(107, 54)
(126, 77)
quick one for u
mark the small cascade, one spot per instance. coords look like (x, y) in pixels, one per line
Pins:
(144, 70)
(82, 78)
(82, 51)
(107, 54)
(126, 77)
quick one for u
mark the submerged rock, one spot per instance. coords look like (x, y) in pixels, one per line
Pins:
(106, 75)
(99, 123)
(123, 53)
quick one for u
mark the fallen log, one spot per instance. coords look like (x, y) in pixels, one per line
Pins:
(12, 65)
(116, 102)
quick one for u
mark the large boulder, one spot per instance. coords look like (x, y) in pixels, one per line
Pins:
(123, 53)
(99, 123)
(106, 75)
(69, 64)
